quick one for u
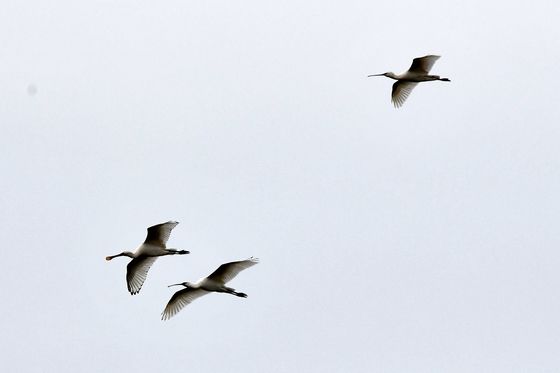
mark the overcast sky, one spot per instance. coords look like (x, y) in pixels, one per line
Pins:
(417, 240)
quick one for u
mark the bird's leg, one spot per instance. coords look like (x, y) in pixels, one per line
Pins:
(233, 292)
(175, 251)
(437, 77)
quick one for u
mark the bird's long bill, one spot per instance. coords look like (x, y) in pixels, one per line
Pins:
(375, 75)
(112, 256)
(174, 285)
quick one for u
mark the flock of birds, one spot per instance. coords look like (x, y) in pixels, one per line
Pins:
(153, 247)
(155, 244)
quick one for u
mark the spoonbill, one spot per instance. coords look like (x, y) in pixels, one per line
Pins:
(146, 254)
(418, 72)
(213, 283)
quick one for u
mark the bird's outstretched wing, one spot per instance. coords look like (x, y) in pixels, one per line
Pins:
(179, 300)
(159, 234)
(226, 272)
(137, 271)
(423, 65)
(401, 90)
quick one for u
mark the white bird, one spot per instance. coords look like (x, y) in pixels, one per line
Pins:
(406, 81)
(146, 254)
(213, 283)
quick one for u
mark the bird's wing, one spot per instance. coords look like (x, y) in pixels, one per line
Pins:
(423, 65)
(137, 271)
(179, 300)
(159, 234)
(401, 90)
(226, 272)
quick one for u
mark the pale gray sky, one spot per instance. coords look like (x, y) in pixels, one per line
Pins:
(421, 240)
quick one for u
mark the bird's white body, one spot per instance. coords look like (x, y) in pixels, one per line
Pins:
(409, 76)
(211, 285)
(417, 73)
(208, 285)
(146, 254)
(148, 249)
(215, 282)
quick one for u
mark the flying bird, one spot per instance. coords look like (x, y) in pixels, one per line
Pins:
(418, 72)
(146, 254)
(213, 283)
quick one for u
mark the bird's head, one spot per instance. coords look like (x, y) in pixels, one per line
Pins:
(388, 74)
(124, 253)
(185, 284)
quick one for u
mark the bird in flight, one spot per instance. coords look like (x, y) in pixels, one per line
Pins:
(146, 254)
(213, 283)
(405, 82)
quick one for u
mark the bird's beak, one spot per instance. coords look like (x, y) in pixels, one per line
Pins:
(114, 256)
(376, 75)
(174, 285)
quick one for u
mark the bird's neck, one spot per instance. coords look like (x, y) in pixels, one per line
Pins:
(392, 75)
(124, 253)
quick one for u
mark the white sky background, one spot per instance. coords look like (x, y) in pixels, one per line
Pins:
(423, 239)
